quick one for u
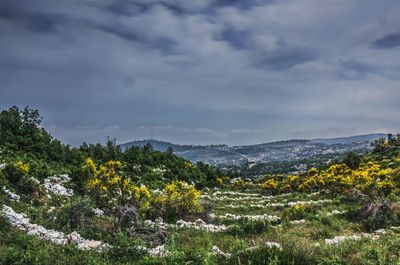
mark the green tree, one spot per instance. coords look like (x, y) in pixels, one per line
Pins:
(352, 160)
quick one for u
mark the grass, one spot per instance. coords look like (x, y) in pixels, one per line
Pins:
(245, 240)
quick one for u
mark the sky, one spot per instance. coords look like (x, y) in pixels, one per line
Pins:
(205, 71)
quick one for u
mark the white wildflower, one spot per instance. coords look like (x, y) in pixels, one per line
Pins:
(98, 212)
(158, 252)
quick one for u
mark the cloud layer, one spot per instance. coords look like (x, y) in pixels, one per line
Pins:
(206, 71)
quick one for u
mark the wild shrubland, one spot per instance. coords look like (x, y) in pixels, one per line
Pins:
(97, 204)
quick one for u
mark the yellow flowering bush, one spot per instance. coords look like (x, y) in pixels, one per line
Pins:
(107, 181)
(313, 171)
(188, 165)
(22, 167)
(16, 172)
(90, 166)
(295, 212)
(270, 185)
(222, 180)
(386, 185)
(240, 184)
(178, 199)
(369, 177)
(291, 183)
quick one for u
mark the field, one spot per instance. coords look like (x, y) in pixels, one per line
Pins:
(243, 227)
(97, 204)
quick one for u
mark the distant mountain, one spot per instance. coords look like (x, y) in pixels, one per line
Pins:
(289, 150)
(351, 139)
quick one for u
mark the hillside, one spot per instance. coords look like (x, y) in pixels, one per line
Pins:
(95, 204)
(289, 150)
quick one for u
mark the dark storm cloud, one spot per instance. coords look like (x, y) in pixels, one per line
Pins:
(284, 58)
(243, 4)
(281, 57)
(127, 8)
(34, 21)
(354, 70)
(388, 41)
(164, 44)
(207, 71)
(236, 38)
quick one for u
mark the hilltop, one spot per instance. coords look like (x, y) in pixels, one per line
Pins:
(289, 150)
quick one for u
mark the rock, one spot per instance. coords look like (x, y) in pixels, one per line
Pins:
(90, 244)
(128, 217)
(85, 244)
(216, 251)
(75, 238)
(56, 237)
(149, 235)
(54, 184)
(13, 196)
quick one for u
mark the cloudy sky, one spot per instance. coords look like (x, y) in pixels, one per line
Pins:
(203, 71)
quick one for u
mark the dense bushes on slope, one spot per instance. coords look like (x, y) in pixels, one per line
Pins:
(22, 138)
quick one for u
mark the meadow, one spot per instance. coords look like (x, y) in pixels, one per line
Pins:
(98, 205)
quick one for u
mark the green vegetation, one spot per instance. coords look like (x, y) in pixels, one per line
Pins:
(346, 212)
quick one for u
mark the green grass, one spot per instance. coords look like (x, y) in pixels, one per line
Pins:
(244, 240)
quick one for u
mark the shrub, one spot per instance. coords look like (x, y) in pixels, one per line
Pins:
(17, 174)
(373, 212)
(177, 200)
(221, 181)
(270, 185)
(112, 188)
(3, 180)
(125, 249)
(15, 171)
(296, 212)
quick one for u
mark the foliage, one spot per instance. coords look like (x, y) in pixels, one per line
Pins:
(16, 171)
(115, 178)
(369, 177)
(17, 174)
(22, 138)
(20, 132)
(373, 211)
(270, 184)
(352, 160)
(109, 182)
(177, 200)
(221, 181)
(296, 212)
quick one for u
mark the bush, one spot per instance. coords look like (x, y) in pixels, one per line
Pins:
(296, 212)
(111, 188)
(15, 171)
(178, 200)
(17, 175)
(125, 249)
(374, 212)
(3, 180)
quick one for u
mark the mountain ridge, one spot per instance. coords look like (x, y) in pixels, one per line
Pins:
(284, 150)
